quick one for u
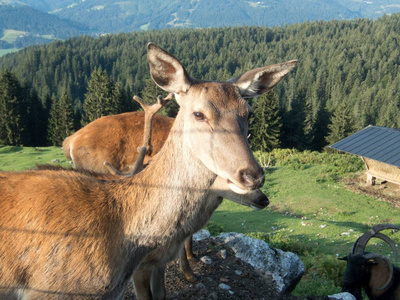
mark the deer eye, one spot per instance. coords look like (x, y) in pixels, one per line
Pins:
(199, 116)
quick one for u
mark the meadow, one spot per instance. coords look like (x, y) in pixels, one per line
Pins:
(311, 213)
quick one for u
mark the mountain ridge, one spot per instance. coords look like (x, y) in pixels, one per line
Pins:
(124, 16)
(97, 17)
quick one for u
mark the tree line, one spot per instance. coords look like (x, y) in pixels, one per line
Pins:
(347, 76)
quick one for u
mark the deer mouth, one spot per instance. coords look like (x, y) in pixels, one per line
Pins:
(237, 189)
(255, 199)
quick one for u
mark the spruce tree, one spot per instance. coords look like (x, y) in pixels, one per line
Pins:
(265, 124)
(294, 123)
(66, 115)
(54, 123)
(342, 124)
(100, 97)
(11, 125)
(61, 119)
(36, 119)
(150, 93)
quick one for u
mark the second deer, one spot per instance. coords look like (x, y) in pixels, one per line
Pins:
(122, 133)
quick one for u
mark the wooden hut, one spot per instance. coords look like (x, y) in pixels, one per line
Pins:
(379, 147)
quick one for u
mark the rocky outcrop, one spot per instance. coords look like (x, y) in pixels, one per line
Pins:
(284, 268)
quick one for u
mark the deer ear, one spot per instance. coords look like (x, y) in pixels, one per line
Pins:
(260, 80)
(166, 71)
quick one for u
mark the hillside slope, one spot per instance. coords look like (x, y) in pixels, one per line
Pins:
(125, 16)
(23, 25)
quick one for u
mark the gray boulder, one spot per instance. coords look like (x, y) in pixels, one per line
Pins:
(284, 268)
(342, 296)
(201, 235)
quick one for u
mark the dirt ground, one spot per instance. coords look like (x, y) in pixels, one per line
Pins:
(383, 190)
(244, 282)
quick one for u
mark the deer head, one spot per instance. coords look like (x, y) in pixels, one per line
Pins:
(215, 116)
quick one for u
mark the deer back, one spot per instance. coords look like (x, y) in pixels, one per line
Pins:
(114, 139)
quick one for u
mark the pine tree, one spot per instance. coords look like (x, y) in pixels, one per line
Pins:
(100, 97)
(36, 119)
(66, 115)
(123, 99)
(342, 124)
(54, 123)
(150, 93)
(61, 119)
(294, 123)
(265, 124)
(11, 126)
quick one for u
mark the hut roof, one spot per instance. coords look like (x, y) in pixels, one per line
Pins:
(374, 142)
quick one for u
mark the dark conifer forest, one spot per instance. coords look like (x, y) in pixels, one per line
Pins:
(347, 78)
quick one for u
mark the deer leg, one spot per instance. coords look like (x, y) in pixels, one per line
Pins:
(189, 250)
(157, 283)
(185, 266)
(141, 281)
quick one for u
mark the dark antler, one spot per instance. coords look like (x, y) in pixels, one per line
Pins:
(136, 168)
(362, 241)
(150, 111)
(147, 148)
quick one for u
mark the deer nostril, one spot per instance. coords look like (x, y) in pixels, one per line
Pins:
(251, 181)
(247, 180)
(265, 202)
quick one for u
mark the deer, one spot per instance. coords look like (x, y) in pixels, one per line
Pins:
(83, 148)
(66, 235)
(149, 277)
(121, 133)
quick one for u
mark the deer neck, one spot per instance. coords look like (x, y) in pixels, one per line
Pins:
(166, 196)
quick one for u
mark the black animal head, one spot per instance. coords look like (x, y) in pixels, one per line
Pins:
(358, 273)
(360, 264)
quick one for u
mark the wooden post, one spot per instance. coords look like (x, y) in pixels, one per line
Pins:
(370, 179)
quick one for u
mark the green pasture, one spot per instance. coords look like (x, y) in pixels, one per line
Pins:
(14, 158)
(6, 51)
(311, 213)
(11, 35)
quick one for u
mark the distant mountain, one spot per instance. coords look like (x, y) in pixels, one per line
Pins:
(23, 25)
(131, 15)
(39, 21)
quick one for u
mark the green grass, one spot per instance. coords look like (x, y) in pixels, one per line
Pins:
(310, 214)
(313, 215)
(14, 158)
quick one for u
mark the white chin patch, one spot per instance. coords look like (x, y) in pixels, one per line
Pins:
(254, 207)
(237, 189)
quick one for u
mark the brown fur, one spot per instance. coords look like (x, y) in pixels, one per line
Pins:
(151, 269)
(114, 139)
(67, 235)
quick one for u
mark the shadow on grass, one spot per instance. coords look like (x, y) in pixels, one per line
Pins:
(10, 149)
(46, 149)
